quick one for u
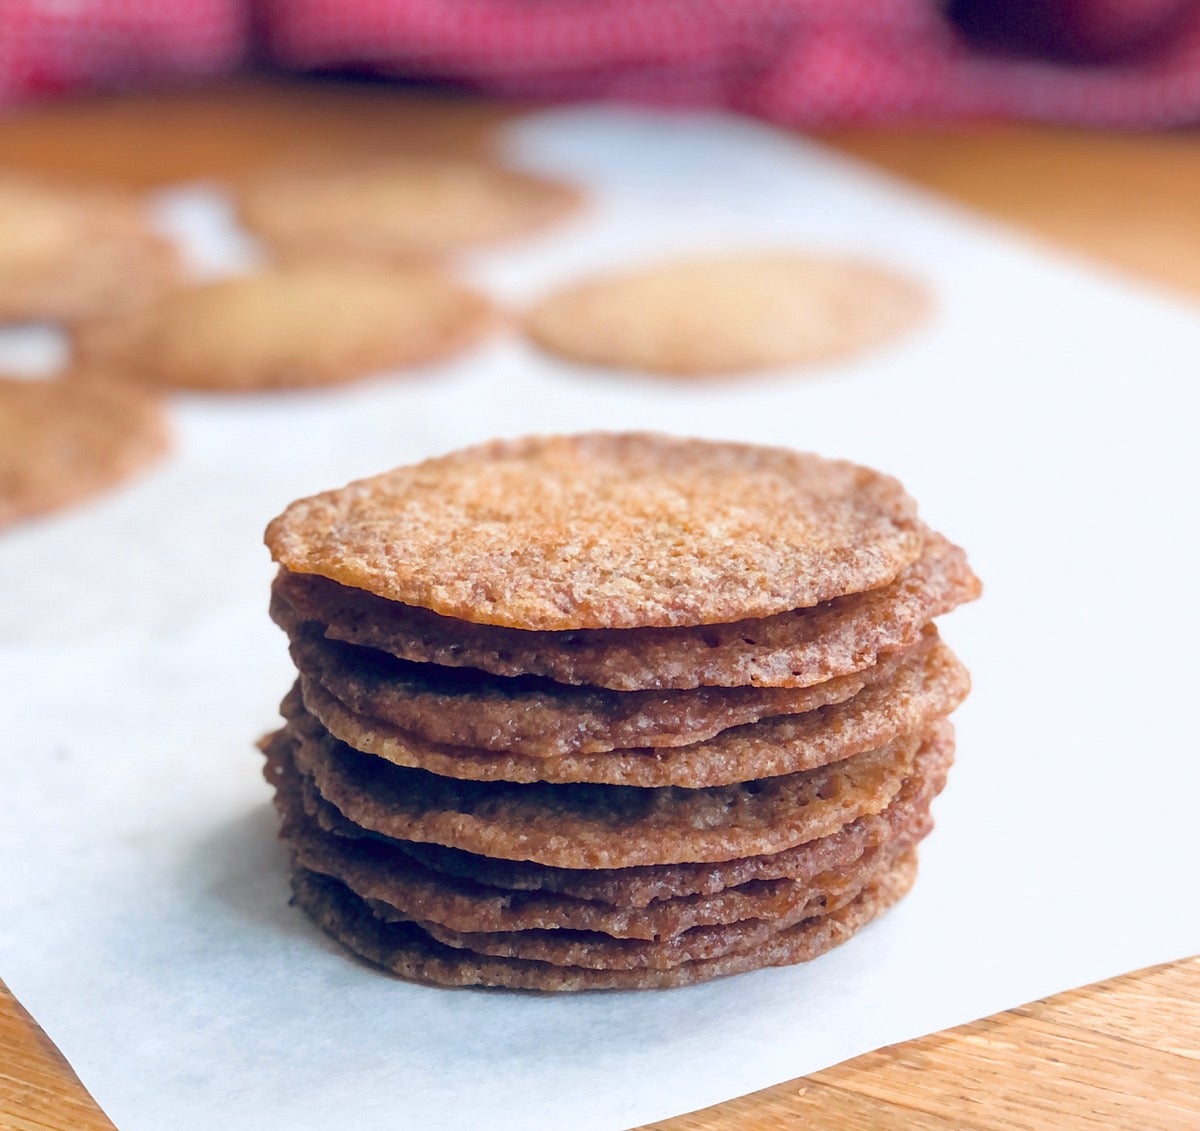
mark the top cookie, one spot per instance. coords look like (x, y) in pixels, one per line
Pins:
(796, 648)
(67, 253)
(402, 206)
(727, 314)
(607, 531)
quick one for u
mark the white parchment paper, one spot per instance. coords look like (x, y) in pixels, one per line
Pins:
(1045, 418)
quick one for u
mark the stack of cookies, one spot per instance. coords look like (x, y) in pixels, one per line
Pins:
(610, 711)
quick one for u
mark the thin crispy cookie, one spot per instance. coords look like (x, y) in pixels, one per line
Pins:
(538, 718)
(604, 826)
(402, 207)
(291, 327)
(792, 649)
(64, 440)
(597, 951)
(728, 314)
(399, 887)
(922, 684)
(69, 253)
(408, 951)
(626, 889)
(607, 531)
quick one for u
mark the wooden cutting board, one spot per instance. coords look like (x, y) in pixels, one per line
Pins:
(1121, 1054)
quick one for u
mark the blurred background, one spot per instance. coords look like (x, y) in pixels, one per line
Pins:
(798, 62)
(1071, 119)
(146, 93)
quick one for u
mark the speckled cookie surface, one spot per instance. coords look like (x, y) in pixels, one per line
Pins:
(401, 207)
(410, 952)
(609, 711)
(603, 826)
(595, 950)
(64, 440)
(68, 253)
(639, 887)
(607, 531)
(291, 327)
(729, 314)
(914, 687)
(535, 717)
(399, 887)
(792, 649)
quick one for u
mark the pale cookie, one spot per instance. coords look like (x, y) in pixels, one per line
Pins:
(791, 649)
(292, 327)
(534, 717)
(70, 253)
(65, 439)
(604, 826)
(728, 314)
(408, 951)
(607, 531)
(401, 207)
(925, 683)
(628, 889)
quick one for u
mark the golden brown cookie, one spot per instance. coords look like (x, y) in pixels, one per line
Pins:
(538, 718)
(609, 711)
(399, 887)
(792, 649)
(595, 950)
(925, 683)
(624, 889)
(604, 826)
(66, 439)
(607, 531)
(400, 207)
(407, 950)
(728, 314)
(70, 253)
(291, 327)
(599, 951)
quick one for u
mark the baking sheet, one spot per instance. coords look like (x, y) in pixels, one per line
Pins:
(1044, 418)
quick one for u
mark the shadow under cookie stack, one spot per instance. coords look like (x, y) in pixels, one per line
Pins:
(610, 711)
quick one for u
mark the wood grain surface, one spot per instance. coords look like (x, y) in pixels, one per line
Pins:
(1121, 1054)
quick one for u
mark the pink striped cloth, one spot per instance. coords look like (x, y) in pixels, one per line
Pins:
(55, 46)
(802, 62)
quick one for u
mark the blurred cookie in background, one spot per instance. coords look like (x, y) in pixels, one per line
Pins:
(727, 314)
(68, 253)
(67, 438)
(291, 327)
(400, 207)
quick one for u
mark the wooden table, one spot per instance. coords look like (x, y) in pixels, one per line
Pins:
(1121, 1054)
